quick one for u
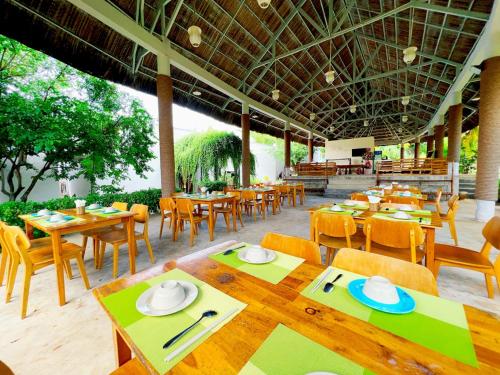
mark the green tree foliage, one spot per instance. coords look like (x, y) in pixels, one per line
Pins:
(208, 153)
(298, 151)
(71, 123)
(468, 151)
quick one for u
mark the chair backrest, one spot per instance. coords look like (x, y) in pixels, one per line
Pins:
(491, 232)
(3, 241)
(402, 200)
(167, 204)
(295, 246)
(393, 233)
(248, 195)
(439, 193)
(453, 202)
(185, 207)
(334, 225)
(400, 272)
(236, 194)
(122, 206)
(18, 242)
(359, 197)
(141, 213)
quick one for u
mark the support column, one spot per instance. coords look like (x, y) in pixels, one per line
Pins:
(455, 113)
(417, 148)
(310, 147)
(402, 151)
(164, 90)
(438, 141)
(488, 153)
(287, 136)
(430, 145)
(245, 145)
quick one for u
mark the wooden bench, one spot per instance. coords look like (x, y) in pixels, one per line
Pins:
(413, 166)
(316, 169)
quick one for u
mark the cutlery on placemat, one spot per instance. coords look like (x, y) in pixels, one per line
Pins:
(232, 249)
(195, 338)
(206, 314)
(320, 281)
(329, 286)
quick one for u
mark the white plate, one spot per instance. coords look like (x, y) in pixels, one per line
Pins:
(401, 218)
(143, 303)
(271, 255)
(407, 208)
(350, 204)
(321, 373)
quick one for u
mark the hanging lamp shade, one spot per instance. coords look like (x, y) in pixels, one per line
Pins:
(404, 118)
(264, 3)
(409, 54)
(352, 108)
(194, 36)
(365, 123)
(312, 116)
(276, 94)
(405, 100)
(330, 76)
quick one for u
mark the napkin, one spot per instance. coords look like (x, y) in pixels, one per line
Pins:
(80, 203)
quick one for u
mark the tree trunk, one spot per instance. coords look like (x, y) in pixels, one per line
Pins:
(34, 180)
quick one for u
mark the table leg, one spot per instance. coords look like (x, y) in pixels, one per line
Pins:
(123, 354)
(211, 224)
(56, 249)
(174, 227)
(131, 243)
(263, 203)
(311, 226)
(29, 230)
(302, 195)
(235, 227)
(429, 249)
(274, 203)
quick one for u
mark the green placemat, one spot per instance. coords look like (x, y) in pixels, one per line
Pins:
(286, 352)
(362, 207)
(272, 272)
(71, 219)
(351, 212)
(150, 333)
(99, 212)
(414, 212)
(388, 216)
(413, 195)
(436, 323)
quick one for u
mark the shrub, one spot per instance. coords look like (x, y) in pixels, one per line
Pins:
(217, 185)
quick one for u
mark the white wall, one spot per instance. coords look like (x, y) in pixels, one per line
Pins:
(341, 149)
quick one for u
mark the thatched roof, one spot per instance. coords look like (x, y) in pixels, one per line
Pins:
(238, 44)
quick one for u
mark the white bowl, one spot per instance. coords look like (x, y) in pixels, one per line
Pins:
(94, 206)
(256, 254)
(168, 295)
(336, 208)
(349, 203)
(56, 218)
(405, 207)
(44, 212)
(109, 210)
(406, 193)
(373, 199)
(380, 289)
(401, 215)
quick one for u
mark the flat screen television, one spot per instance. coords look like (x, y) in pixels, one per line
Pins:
(358, 152)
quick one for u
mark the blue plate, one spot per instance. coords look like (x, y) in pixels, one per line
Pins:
(405, 305)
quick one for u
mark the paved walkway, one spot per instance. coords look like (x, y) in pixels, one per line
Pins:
(76, 338)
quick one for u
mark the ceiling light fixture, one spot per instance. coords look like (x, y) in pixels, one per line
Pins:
(365, 123)
(197, 93)
(352, 108)
(330, 75)
(264, 3)
(404, 118)
(255, 116)
(409, 54)
(405, 100)
(275, 92)
(312, 116)
(476, 99)
(194, 36)
(400, 130)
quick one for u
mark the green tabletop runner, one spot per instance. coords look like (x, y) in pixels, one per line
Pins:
(272, 272)
(203, 197)
(150, 333)
(101, 213)
(436, 323)
(44, 220)
(414, 212)
(286, 352)
(363, 207)
(354, 213)
(413, 195)
(420, 220)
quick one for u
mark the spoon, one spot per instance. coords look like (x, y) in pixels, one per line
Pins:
(173, 340)
(230, 251)
(329, 286)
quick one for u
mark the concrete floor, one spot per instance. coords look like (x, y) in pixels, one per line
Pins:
(76, 338)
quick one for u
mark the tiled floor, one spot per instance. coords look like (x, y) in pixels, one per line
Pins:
(76, 338)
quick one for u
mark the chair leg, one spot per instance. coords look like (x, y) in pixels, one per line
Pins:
(26, 290)
(84, 245)
(115, 260)
(453, 231)
(161, 226)
(3, 265)
(329, 252)
(67, 269)
(101, 255)
(150, 249)
(191, 237)
(12, 279)
(226, 218)
(96, 252)
(489, 285)
(83, 272)
(240, 216)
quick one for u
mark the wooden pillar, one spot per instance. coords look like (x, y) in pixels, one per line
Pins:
(438, 140)
(488, 153)
(455, 113)
(310, 148)
(287, 136)
(164, 90)
(402, 151)
(245, 146)
(430, 146)
(417, 148)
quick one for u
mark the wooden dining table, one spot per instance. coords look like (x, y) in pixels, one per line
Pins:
(429, 230)
(84, 222)
(210, 201)
(227, 350)
(263, 193)
(296, 188)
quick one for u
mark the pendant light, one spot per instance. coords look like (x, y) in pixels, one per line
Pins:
(405, 100)
(275, 92)
(194, 33)
(352, 108)
(409, 54)
(404, 118)
(365, 123)
(330, 75)
(264, 3)
(312, 116)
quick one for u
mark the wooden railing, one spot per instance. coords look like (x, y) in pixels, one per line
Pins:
(413, 166)
(316, 169)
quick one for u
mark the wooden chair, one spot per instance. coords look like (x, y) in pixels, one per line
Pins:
(273, 201)
(119, 237)
(454, 256)
(92, 233)
(239, 209)
(226, 210)
(403, 200)
(251, 203)
(412, 189)
(359, 197)
(167, 211)
(185, 213)
(449, 217)
(405, 274)
(36, 259)
(302, 192)
(5, 370)
(295, 246)
(335, 232)
(286, 193)
(396, 239)
(437, 201)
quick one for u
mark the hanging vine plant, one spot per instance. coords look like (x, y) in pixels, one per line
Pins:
(207, 155)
